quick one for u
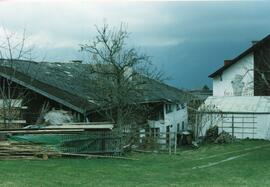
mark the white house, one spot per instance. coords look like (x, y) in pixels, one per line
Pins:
(173, 118)
(240, 103)
(168, 110)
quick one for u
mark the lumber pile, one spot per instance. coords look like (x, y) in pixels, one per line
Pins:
(10, 150)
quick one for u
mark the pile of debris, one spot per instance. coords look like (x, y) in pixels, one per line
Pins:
(10, 150)
(224, 137)
(211, 134)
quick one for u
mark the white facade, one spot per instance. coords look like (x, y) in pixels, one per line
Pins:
(175, 119)
(233, 106)
(237, 80)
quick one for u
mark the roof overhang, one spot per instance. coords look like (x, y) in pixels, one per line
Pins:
(43, 92)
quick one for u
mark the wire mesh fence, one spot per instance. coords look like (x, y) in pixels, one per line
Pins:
(166, 142)
(115, 142)
(97, 142)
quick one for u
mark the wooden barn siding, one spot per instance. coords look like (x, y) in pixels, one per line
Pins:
(261, 57)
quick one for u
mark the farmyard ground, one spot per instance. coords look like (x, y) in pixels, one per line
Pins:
(244, 163)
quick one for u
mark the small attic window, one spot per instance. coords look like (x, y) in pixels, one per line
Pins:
(168, 108)
(220, 77)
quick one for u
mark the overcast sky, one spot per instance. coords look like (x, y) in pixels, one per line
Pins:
(187, 40)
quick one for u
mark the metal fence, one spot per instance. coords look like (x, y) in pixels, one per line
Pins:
(98, 142)
(156, 142)
(115, 143)
(239, 125)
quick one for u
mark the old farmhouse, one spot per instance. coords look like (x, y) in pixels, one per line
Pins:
(66, 87)
(240, 103)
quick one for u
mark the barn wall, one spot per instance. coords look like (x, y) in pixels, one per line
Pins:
(250, 114)
(33, 101)
(237, 80)
(262, 66)
(253, 126)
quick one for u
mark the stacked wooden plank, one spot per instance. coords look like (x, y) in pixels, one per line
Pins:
(10, 150)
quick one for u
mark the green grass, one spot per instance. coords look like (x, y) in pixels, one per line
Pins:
(252, 169)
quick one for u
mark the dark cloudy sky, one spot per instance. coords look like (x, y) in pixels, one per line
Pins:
(187, 40)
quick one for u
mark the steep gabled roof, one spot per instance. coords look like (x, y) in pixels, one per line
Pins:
(254, 47)
(70, 83)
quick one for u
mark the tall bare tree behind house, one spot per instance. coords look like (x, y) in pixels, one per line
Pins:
(120, 74)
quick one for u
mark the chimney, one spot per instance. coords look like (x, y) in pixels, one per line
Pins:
(227, 62)
(254, 42)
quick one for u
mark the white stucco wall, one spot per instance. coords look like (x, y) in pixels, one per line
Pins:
(172, 119)
(176, 117)
(237, 80)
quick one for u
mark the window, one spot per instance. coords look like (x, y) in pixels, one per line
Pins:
(168, 108)
(183, 106)
(183, 125)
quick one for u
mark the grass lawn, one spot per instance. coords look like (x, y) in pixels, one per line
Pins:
(244, 163)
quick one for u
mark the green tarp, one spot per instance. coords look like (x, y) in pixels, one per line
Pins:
(48, 139)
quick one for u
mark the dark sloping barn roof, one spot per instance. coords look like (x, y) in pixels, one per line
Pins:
(254, 47)
(70, 83)
(155, 91)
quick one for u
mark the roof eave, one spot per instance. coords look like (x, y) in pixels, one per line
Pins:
(243, 54)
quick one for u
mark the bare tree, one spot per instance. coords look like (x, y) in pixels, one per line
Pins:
(13, 47)
(119, 75)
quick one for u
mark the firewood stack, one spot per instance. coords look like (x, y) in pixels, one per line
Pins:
(11, 150)
(211, 134)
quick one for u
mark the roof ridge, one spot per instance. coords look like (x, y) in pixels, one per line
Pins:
(241, 55)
